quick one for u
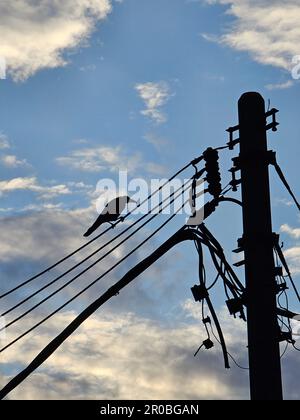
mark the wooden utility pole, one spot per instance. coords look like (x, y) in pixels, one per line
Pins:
(263, 330)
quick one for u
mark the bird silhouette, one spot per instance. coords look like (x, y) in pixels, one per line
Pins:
(111, 213)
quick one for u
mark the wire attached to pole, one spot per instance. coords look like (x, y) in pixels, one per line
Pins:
(285, 183)
(24, 283)
(89, 257)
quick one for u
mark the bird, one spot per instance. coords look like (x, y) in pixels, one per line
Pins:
(111, 213)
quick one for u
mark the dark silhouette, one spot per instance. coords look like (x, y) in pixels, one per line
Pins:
(111, 213)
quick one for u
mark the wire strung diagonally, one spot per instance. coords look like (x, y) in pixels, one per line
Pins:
(92, 283)
(88, 257)
(286, 267)
(180, 236)
(94, 263)
(286, 184)
(24, 283)
(230, 355)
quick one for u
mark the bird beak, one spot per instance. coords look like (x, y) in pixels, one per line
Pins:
(132, 201)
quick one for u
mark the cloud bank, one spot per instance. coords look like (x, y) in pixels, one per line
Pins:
(268, 30)
(36, 34)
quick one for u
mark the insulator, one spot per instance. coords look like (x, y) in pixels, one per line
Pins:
(213, 177)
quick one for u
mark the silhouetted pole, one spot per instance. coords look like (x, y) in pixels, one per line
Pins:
(263, 332)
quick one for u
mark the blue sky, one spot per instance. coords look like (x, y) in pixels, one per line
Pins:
(145, 86)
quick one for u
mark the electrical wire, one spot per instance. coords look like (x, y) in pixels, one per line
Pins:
(181, 235)
(213, 313)
(98, 236)
(216, 250)
(203, 318)
(284, 351)
(96, 262)
(230, 355)
(286, 184)
(214, 282)
(286, 267)
(91, 284)
(91, 255)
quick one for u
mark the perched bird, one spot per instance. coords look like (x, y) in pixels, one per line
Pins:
(111, 213)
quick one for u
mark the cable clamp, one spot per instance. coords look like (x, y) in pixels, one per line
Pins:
(235, 306)
(199, 292)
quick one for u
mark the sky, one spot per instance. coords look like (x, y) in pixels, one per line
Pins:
(92, 87)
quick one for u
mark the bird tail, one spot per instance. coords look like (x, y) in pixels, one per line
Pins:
(88, 233)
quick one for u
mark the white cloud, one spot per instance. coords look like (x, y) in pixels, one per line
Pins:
(157, 169)
(116, 354)
(293, 232)
(107, 159)
(268, 30)
(11, 161)
(292, 254)
(293, 257)
(158, 142)
(35, 35)
(284, 202)
(101, 159)
(35, 236)
(31, 184)
(124, 356)
(4, 142)
(155, 96)
(280, 86)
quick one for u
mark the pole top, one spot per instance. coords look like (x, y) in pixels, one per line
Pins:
(251, 98)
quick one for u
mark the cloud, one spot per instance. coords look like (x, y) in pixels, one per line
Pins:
(100, 159)
(11, 161)
(34, 237)
(125, 356)
(157, 169)
(158, 142)
(35, 35)
(293, 257)
(293, 232)
(268, 30)
(292, 254)
(284, 202)
(108, 159)
(31, 184)
(155, 96)
(119, 353)
(280, 86)
(4, 142)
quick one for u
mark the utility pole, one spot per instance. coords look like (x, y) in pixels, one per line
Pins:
(257, 242)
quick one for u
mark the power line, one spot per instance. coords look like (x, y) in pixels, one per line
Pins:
(286, 184)
(230, 355)
(194, 162)
(286, 267)
(180, 236)
(87, 258)
(91, 284)
(92, 265)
